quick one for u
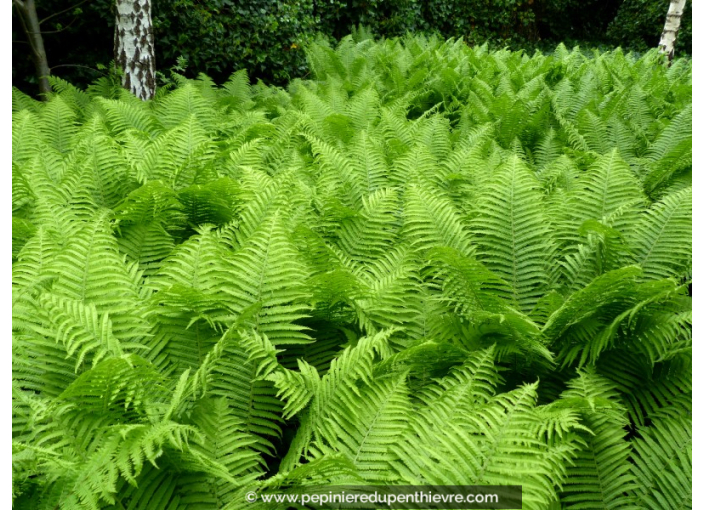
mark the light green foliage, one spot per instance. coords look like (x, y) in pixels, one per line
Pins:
(430, 264)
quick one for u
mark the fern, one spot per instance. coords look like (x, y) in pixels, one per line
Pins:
(264, 273)
(663, 460)
(513, 234)
(429, 264)
(601, 476)
(662, 239)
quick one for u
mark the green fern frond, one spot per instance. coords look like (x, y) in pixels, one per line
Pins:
(146, 243)
(601, 476)
(184, 103)
(372, 232)
(593, 130)
(467, 283)
(663, 464)
(90, 269)
(22, 101)
(122, 116)
(266, 271)
(662, 238)
(153, 201)
(213, 203)
(512, 235)
(227, 443)
(118, 387)
(99, 163)
(335, 390)
(466, 386)
(22, 231)
(648, 390)
(26, 135)
(236, 91)
(366, 432)
(58, 124)
(483, 447)
(81, 329)
(583, 304)
(608, 185)
(431, 220)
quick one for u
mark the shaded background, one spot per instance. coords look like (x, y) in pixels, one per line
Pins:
(218, 37)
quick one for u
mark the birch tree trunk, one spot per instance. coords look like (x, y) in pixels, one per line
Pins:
(30, 23)
(672, 26)
(134, 47)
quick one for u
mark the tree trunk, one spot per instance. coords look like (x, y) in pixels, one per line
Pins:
(672, 26)
(134, 47)
(30, 23)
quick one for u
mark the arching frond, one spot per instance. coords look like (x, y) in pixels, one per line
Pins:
(663, 464)
(58, 124)
(512, 233)
(90, 269)
(266, 273)
(662, 238)
(601, 476)
(431, 220)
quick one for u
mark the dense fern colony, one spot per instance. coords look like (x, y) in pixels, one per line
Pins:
(429, 264)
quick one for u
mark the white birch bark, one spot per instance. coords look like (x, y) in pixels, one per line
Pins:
(134, 47)
(672, 26)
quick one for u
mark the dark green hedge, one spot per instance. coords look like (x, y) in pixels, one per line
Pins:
(218, 37)
(638, 25)
(265, 37)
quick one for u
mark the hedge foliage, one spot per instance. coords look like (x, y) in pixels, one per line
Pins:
(429, 264)
(637, 25)
(265, 37)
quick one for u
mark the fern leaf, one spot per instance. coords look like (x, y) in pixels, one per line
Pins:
(266, 271)
(661, 240)
(663, 464)
(512, 234)
(601, 476)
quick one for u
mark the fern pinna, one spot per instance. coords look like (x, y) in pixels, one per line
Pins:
(428, 264)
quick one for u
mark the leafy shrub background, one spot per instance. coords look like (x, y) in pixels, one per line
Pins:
(218, 37)
(636, 25)
(266, 36)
